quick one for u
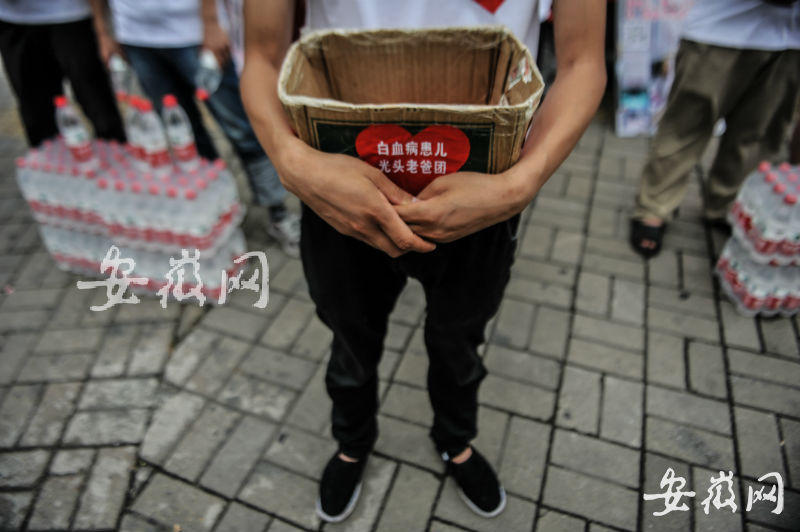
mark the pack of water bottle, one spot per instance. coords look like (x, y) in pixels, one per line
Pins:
(154, 193)
(766, 216)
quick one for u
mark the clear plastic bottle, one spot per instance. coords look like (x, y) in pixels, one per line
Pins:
(153, 139)
(75, 135)
(179, 134)
(209, 73)
(121, 74)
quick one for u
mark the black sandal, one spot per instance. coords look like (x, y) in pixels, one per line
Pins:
(641, 232)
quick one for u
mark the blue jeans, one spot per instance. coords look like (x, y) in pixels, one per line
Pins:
(172, 71)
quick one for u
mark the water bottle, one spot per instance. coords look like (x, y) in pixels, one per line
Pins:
(74, 133)
(209, 73)
(179, 134)
(153, 139)
(133, 130)
(121, 75)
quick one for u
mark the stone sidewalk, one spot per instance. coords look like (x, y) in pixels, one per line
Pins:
(604, 371)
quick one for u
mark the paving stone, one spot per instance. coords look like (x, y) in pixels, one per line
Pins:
(256, 396)
(301, 452)
(151, 350)
(593, 498)
(524, 458)
(707, 370)
(214, 371)
(119, 393)
(288, 324)
(491, 433)
(376, 481)
(682, 301)
(516, 397)
(55, 503)
(682, 324)
(282, 493)
(412, 489)
(625, 336)
(104, 494)
(116, 348)
(167, 425)
(279, 368)
(518, 514)
(688, 409)
(722, 519)
(411, 404)
(552, 521)
(739, 330)
(613, 266)
(621, 415)
(13, 507)
(655, 469)
(596, 457)
(523, 366)
(314, 341)
(148, 310)
(235, 322)
(72, 461)
(761, 512)
(513, 324)
(567, 246)
(779, 337)
(791, 434)
(579, 400)
(539, 291)
(764, 367)
(59, 367)
(290, 278)
(664, 269)
(16, 408)
(188, 355)
(627, 302)
(21, 320)
(759, 442)
(312, 410)
(665, 362)
(387, 365)
(237, 456)
(689, 444)
(173, 502)
(197, 446)
(605, 358)
(69, 340)
(438, 526)
(22, 469)
(408, 443)
(43, 298)
(13, 353)
(238, 518)
(546, 272)
(773, 397)
(611, 247)
(536, 242)
(105, 427)
(550, 330)
(55, 408)
(602, 221)
(593, 293)
(696, 270)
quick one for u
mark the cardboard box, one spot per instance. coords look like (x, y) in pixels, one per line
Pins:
(416, 104)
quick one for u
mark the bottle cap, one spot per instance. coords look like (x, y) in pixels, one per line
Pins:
(200, 183)
(183, 181)
(219, 164)
(90, 174)
(147, 176)
(172, 192)
(102, 183)
(779, 188)
(47, 167)
(153, 190)
(791, 178)
(20, 162)
(764, 167)
(771, 177)
(122, 97)
(145, 105)
(790, 199)
(201, 94)
(61, 169)
(59, 101)
(190, 194)
(119, 186)
(784, 167)
(75, 171)
(136, 188)
(169, 100)
(130, 174)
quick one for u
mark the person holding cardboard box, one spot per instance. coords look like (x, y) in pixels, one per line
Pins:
(364, 232)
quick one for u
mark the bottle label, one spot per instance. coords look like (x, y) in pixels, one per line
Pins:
(81, 152)
(158, 159)
(187, 152)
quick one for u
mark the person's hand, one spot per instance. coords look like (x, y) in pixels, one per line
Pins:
(456, 205)
(352, 196)
(216, 40)
(107, 47)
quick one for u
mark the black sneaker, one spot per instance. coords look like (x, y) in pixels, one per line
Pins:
(339, 488)
(478, 485)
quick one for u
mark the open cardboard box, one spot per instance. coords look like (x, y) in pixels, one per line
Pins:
(415, 103)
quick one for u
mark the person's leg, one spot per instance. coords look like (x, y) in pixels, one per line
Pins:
(75, 47)
(764, 93)
(354, 288)
(35, 76)
(164, 71)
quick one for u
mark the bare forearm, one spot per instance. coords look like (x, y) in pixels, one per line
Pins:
(208, 11)
(100, 17)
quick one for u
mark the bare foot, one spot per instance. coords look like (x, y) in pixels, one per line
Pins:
(650, 221)
(463, 456)
(346, 458)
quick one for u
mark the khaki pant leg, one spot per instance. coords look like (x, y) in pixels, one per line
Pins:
(763, 93)
(701, 73)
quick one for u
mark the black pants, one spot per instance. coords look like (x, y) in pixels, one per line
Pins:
(355, 286)
(38, 57)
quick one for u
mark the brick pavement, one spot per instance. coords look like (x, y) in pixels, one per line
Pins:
(604, 371)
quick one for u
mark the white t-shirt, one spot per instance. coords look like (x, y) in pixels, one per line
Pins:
(44, 11)
(751, 24)
(157, 23)
(520, 16)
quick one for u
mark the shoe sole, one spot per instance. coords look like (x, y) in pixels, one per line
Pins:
(347, 509)
(277, 236)
(471, 505)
